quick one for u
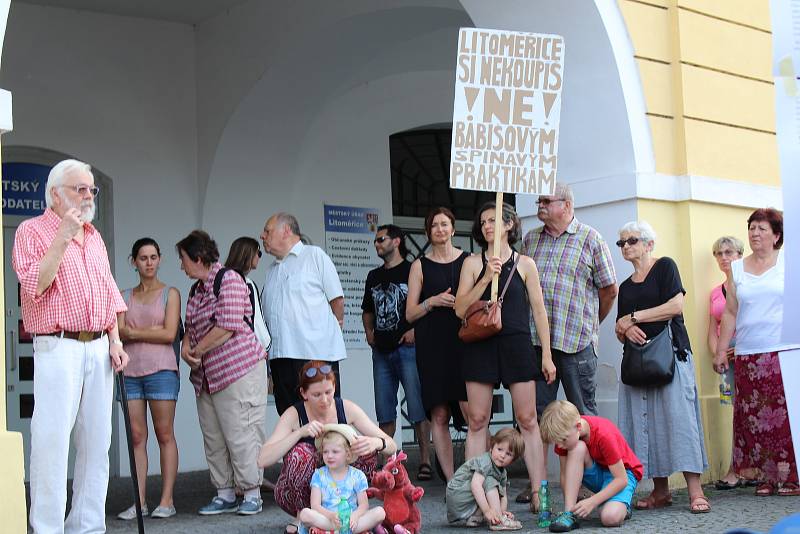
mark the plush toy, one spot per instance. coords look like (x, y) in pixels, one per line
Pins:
(393, 487)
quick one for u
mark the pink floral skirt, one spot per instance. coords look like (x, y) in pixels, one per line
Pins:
(762, 438)
(293, 489)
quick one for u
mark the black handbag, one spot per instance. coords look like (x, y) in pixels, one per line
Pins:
(651, 364)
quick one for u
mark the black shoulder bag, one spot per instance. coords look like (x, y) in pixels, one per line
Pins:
(651, 364)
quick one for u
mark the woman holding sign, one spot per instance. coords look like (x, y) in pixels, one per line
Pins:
(508, 356)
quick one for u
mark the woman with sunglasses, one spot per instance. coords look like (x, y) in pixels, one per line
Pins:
(661, 423)
(293, 438)
(509, 356)
(243, 257)
(148, 330)
(228, 374)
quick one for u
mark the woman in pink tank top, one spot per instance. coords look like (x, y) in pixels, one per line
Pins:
(148, 330)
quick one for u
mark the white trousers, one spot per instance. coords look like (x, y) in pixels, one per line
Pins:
(73, 391)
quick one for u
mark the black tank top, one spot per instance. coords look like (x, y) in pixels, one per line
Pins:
(300, 406)
(516, 311)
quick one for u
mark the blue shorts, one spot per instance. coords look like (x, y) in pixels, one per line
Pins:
(598, 477)
(163, 385)
(389, 369)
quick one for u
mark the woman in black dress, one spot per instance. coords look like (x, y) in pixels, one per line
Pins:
(507, 358)
(432, 286)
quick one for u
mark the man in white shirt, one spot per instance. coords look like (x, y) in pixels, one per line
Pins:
(303, 305)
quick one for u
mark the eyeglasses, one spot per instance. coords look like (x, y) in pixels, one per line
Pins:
(630, 241)
(82, 189)
(382, 238)
(726, 253)
(548, 201)
(311, 372)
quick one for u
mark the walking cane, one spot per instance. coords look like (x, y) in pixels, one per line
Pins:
(123, 399)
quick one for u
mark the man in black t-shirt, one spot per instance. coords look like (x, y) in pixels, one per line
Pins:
(394, 359)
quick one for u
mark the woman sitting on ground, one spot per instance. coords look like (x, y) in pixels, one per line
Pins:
(298, 427)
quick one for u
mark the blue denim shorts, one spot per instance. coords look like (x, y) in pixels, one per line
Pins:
(598, 477)
(163, 385)
(389, 369)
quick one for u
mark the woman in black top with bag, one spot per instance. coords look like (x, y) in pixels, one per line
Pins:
(660, 421)
(508, 357)
(432, 286)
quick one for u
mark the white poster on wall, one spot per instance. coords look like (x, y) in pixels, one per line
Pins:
(506, 111)
(349, 232)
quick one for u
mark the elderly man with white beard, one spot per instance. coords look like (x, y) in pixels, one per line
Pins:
(70, 302)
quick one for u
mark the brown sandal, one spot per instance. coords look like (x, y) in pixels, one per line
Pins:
(699, 505)
(651, 502)
(789, 489)
(765, 490)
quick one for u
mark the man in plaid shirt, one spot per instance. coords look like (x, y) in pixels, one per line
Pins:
(70, 302)
(579, 286)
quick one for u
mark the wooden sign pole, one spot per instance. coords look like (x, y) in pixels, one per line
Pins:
(498, 228)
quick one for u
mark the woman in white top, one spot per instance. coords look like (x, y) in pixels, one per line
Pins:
(754, 307)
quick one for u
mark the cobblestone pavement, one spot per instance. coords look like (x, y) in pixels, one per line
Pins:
(736, 508)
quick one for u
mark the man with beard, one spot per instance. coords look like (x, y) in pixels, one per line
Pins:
(394, 360)
(70, 302)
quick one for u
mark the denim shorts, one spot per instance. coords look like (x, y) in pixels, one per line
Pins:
(389, 369)
(598, 477)
(162, 385)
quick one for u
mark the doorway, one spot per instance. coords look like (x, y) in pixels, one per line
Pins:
(420, 163)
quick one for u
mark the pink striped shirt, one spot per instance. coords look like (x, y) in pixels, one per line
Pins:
(83, 295)
(232, 360)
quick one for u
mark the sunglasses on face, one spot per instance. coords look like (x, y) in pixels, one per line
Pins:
(258, 252)
(630, 241)
(382, 238)
(311, 372)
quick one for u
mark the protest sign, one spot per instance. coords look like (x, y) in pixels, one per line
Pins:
(506, 113)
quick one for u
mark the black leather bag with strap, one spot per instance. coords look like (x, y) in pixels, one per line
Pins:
(651, 364)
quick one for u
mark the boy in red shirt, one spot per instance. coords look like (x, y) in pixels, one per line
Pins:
(593, 453)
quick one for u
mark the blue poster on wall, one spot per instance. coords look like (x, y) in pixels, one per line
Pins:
(23, 188)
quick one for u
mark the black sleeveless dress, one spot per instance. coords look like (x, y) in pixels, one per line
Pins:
(436, 334)
(509, 356)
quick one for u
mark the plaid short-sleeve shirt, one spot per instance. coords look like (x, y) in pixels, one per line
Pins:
(83, 294)
(572, 267)
(232, 360)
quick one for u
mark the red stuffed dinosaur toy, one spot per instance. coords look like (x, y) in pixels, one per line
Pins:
(392, 486)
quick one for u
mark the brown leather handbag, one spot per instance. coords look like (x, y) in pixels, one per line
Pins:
(484, 318)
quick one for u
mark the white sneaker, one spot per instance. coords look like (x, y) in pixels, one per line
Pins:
(130, 513)
(163, 512)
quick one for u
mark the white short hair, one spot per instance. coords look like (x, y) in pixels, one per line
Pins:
(643, 228)
(59, 172)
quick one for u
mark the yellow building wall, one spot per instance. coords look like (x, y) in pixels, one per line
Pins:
(12, 464)
(705, 70)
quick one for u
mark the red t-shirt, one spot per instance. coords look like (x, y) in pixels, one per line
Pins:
(607, 446)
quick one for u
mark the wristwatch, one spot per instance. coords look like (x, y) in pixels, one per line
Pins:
(634, 320)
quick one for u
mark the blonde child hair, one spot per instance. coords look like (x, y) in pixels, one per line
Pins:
(512, 437)
(558, 420)
(336, 436)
